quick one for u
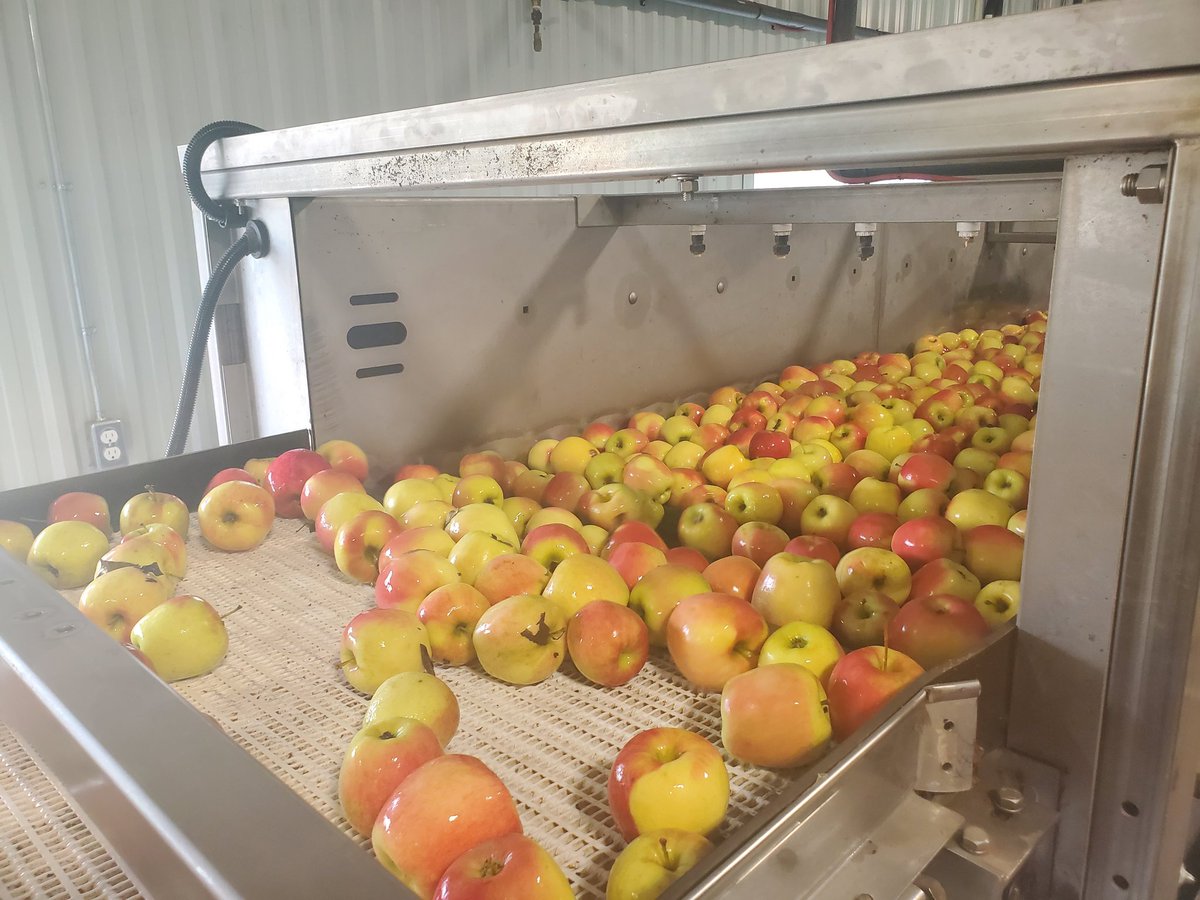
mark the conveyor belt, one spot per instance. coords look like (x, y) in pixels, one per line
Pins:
(279, 695)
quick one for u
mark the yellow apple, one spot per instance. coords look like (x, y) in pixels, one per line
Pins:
(65, 554)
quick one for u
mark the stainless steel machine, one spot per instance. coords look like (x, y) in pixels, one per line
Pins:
(398, 311)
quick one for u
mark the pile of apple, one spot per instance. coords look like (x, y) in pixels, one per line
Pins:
(129, 588)
(806, 549)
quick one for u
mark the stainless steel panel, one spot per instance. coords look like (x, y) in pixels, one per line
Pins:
(1027, 199)
(1046, 122)
(1075, 42)
(1150, 743)
(1100, 301)
(539, 330)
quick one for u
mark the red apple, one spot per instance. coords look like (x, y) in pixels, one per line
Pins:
(944, 576)
(286, 476)
(609, 643)
(450, 614)
(378, 759)
(812, 547)
(735, 575)
(421, 538)
(687, 557)
(322, 487)
(411, 577)
(339, 510)
(874, 529)
(633, 560)
(487, 463)
(359, 542)
(513, 573)
(344, 456)
(862, 682)
(229, 475)
(415, 470)
(668, 778)
(920, 541)
(758, 541)
(445, 808)
(78, 506)
(712, 637)
(836, 479)
(925, 470)
(770, 444)
(505, 867)
(935, 629)
(638, 532)
(775, 716)
(564, 490)
(993, 553)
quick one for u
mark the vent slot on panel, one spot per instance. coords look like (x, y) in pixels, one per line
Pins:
(374, 299)
(374, 371)
(380, 334)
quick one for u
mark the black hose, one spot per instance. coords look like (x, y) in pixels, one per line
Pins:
(252, 243)
(224, 212)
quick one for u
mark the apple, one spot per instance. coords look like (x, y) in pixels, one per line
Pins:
(604, 468)
(15, 539)
(636, 532)
(519, 511)
(487, 462)
(426, 514)
(580, 579)
(758, 541)
(597, 434)
(608, 642)
(735, 575)
(712, 637)
(152, 553)
(836, 479)
(530, 484)
(445, 483)
(1008, 485)
(380, 643)
(721, 464)
(653, 861)
(981, 462)
(286, 476)
(972, 508)
(552, 515)
(183, 637)
(922, 540)
(347, 457)
(684, 482)
(380, 756)
(627, 441)
(425, 538)
(775, 716)
(993, 553)
(550, 544)
(754, 502)
(359, 542)
(804, 644)
(632, 560)
(324, 486)
(477, 489)
(999, 601)
(236, 516)
(659, 592)
(595, 536)
(861, 618)
(925, 470)
(649, 475)
(686, 556)
(475, 550)
(117, 600)
(707, 528)
(509, 866)
(667, 778)
(154, 506)
(483, 517)
(873, 529)
(923, 502)
(1017, 524)
(521, 640)
(231, 474)
(415, 470)
(828, 517)
(944, 576)
(796, 494)
(78, 506)
(445, 808)
(419, 696)
(933, 630)
(571, 454)
(403, 495)
(812, 547)
(794, 588)
(450, 614)
(65, 554)
(862, 682)
(510, 574)
(611, 505)
(872, 495)
(873, 568)
(539, 454)
(869, 463)
(339, 510)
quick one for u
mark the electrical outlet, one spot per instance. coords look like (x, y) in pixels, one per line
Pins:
(108, 444)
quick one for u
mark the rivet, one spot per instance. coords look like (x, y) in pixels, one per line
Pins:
(633, 298)
(720, 287)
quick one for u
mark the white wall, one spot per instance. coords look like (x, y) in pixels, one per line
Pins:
(129, 80)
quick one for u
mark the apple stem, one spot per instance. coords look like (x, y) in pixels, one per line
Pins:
(885, 648)
(225, 616)
(341, 664)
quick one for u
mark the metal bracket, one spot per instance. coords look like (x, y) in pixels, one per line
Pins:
(945, 761)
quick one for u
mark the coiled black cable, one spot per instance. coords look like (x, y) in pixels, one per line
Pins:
(252, 243)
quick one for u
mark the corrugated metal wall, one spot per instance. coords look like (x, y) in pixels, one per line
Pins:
(129, 80)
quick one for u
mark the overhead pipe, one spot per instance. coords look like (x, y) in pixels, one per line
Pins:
(769, 15)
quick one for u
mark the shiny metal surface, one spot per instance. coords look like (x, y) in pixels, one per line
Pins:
(1152, 707)
(1074, 42)
(1104, 276)
(1084, 116)
(1025, 200)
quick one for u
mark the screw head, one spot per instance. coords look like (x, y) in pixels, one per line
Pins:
(974, 840)
(633, 297)
(1008, 800)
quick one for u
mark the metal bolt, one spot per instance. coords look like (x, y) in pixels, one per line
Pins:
(632, 297)
(688, 185)
(720, 287)
(1008, 801)
(968, 231)
(974, 840)
(1149, 185)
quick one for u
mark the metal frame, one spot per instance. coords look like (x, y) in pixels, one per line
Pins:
(1097, 85)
